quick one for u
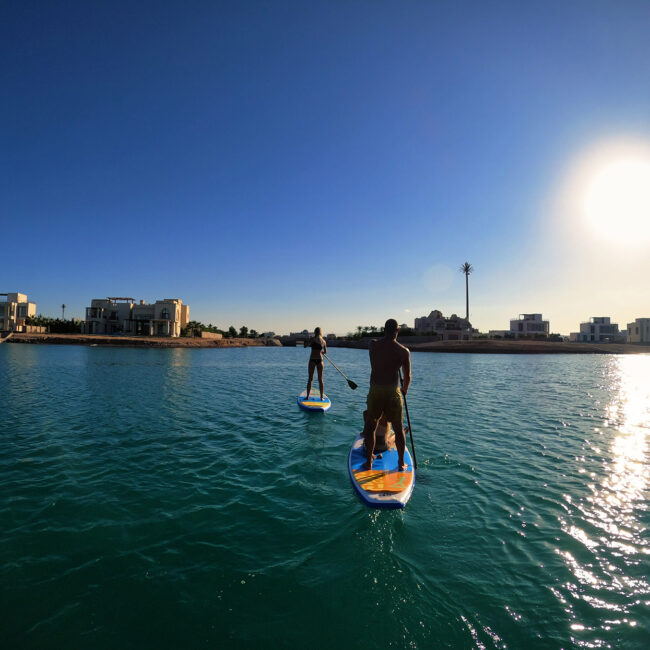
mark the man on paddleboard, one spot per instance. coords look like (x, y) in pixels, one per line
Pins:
(387, 357)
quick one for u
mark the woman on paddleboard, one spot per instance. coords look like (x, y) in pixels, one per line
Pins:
(318, 349)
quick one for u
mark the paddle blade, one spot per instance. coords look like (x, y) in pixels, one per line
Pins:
(352, 385)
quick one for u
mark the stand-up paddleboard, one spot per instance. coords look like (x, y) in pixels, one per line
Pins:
(314, 403)
(383, 486)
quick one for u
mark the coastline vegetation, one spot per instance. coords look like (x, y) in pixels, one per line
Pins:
(371, 331)
(365, 331)
(230, 333)
(55, 325)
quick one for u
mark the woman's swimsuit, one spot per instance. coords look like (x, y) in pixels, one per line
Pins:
(316, 347)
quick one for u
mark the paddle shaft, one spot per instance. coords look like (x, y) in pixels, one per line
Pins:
(408, 421)
(350, 383)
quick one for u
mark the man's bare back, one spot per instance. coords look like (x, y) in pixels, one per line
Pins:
(387, 356)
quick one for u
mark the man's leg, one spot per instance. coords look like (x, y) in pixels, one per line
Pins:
(370, 424)
(396, 419)
(400, 443)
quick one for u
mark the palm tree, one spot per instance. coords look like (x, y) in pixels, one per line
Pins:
(63, 311)
(466, 268)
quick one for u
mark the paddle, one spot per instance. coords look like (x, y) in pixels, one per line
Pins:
(408, 421)
(351, 384)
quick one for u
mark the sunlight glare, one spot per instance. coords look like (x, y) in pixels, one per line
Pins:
(616, 201)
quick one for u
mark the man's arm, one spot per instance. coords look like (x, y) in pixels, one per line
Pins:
(406, 370)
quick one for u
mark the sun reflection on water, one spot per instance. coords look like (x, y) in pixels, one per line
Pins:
(609, 563)
(624, 488)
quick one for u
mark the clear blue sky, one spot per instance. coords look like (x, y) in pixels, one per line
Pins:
(283, 165)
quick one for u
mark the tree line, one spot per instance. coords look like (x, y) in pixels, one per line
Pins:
(374, 331)
(231, 332)
(55, 325)
(73, 326)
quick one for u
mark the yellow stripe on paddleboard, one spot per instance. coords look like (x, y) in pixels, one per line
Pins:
(379, 481)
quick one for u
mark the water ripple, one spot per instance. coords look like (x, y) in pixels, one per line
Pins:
(165, 495)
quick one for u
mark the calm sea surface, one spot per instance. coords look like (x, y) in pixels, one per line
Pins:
(180, 499)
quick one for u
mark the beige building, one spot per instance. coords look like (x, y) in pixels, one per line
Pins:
(639, 331)
(453, 328)
(14, 310)
(123, 316)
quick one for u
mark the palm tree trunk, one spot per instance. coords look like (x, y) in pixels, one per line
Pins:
(466, 296)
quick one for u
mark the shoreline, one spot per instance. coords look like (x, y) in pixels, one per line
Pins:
(479, 346)
(492, 346)
(132, 341)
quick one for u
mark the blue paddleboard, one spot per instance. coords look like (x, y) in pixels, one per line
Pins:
(383, 486)
(314, 403)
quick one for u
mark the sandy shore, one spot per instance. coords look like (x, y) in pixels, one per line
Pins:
(489, 346)
(134, 341)
(477, 346)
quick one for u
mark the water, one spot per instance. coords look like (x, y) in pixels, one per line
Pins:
(180, 499)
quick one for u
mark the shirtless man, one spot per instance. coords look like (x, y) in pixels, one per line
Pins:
(387, 356)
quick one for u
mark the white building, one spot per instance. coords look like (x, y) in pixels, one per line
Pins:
(14, 310)
(448, 329)
(122, 316)
(639, 331)
(599, 329)
(529, 325)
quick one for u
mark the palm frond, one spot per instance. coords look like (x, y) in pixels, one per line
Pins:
(466, 268)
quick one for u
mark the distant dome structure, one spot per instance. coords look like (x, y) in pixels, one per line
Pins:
(446, 329)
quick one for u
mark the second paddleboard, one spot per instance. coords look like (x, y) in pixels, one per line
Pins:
(314, 403)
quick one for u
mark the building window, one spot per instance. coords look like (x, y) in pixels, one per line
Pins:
(164, 313)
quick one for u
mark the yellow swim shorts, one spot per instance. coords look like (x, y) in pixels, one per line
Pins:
(386, 400)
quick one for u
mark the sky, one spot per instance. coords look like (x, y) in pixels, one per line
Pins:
(287, 165)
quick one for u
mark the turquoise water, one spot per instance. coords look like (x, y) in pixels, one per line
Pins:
(181, 499)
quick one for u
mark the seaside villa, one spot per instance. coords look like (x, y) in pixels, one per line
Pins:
(599, 329)
(14, 310)
(122, 316)
(529, 325)
(447, 329)
(639, 331)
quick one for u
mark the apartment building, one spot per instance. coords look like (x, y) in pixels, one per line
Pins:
(529, 325)
(14, 310)
(115, 315)
(598, 329)
(639, 331)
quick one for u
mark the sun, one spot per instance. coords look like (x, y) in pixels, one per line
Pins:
(616, 200)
